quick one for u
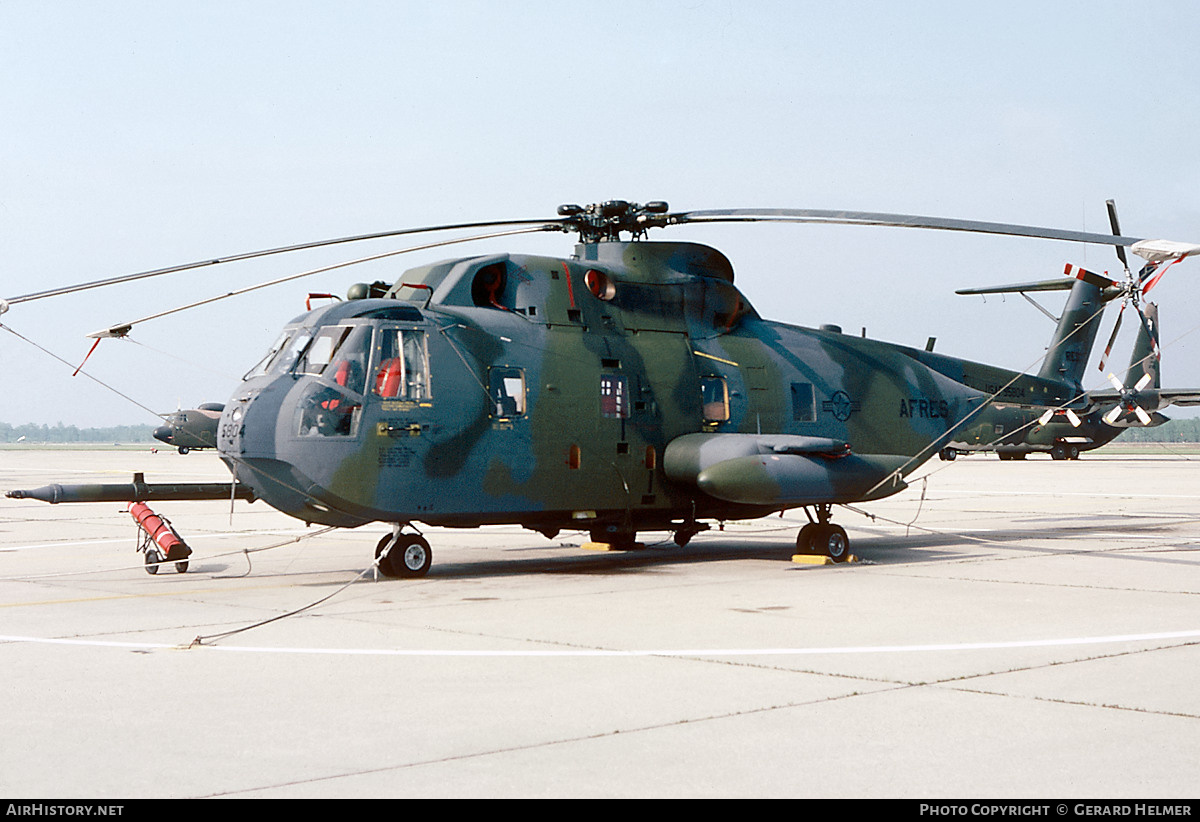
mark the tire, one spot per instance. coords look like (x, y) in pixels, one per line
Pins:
(831, 540)
(152, 560)
(410, 557)
(415, 559)
(804, 539)
(385, 563)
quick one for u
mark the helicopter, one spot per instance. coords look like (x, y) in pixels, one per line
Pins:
(630, 387)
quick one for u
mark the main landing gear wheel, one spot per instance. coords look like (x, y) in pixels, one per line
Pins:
(824, 537)
(411, 556)
(1064, 451)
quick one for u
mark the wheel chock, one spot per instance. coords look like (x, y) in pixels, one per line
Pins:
(818, 559)
(608, 546)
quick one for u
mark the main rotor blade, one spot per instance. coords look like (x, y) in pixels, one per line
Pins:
(802, 215)
(122, 329)
(547, 225)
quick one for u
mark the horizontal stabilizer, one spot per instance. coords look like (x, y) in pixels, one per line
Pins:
(1018, 288)
(1179, 396)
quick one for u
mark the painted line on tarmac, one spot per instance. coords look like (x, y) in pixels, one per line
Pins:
(596, 652)
(277, 532)
(1056, 493)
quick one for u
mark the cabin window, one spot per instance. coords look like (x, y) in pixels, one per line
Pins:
(506, 386)
(614, 396)
(715, 397)
(804, 402)
(402, 365)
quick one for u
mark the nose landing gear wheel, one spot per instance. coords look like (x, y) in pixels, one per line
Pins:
(410, 557)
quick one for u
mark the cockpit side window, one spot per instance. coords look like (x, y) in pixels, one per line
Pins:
(339, 353)
(322, 349)
(401, 365)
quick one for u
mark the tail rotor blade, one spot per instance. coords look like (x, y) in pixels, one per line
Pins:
(1116, 230)
(1112, 339)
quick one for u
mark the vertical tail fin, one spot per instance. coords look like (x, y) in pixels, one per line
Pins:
(1071, 346)
(1145, 359)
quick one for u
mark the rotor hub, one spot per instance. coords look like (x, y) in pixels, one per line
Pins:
(605, 221)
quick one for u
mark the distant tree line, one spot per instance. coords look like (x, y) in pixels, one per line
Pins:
(60, 433)
(1172, 431)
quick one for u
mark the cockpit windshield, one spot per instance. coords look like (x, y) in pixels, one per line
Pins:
(264, 364)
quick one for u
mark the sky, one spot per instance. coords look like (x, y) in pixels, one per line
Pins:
(139, 135)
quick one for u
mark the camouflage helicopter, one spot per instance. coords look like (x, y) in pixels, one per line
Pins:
(630, 387)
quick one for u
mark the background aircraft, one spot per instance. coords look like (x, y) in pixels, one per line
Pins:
(191, 429)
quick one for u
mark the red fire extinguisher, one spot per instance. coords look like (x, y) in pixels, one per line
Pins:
(160, 543)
